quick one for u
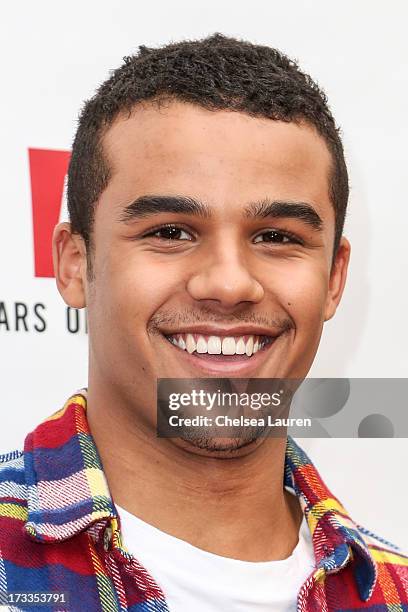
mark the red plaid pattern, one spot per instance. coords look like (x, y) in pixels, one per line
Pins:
(60, 532)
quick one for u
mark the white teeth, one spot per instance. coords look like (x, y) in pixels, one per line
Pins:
(181, 343)
(190, 343)
(228, 346)
(201, 345)
(249, 346)
(214, 345)
(240, 348)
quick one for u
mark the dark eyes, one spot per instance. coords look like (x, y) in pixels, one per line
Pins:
(175, 233)
(277, 237)
(169, 232)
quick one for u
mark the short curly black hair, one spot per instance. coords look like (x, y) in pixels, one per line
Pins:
(216, 73)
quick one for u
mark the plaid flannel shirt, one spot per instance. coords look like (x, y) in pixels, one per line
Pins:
(60, 532)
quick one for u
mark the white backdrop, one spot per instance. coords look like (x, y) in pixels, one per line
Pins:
(54, 55)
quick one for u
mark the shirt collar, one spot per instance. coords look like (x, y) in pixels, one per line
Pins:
(60, 454)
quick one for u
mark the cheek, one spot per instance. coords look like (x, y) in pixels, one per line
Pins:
(126, 293)
(131, 288)
(301, 288)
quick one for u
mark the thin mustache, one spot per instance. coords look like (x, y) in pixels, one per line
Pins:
(176, 318)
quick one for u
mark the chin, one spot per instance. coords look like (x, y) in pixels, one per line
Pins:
(222, 448)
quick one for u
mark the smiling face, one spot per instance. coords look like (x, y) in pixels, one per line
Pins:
(213, 246)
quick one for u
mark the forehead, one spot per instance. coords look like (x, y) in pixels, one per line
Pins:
(219, 156)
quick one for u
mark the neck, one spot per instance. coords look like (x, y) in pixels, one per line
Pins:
(233, 507)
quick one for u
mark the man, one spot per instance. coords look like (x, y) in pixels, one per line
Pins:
(207, 192)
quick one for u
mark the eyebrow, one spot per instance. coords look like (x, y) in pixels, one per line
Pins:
(149, 205)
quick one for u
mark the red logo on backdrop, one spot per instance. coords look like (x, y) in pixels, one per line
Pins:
(48, 170)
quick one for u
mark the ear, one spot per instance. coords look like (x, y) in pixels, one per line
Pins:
(69, 258)
(338, 277)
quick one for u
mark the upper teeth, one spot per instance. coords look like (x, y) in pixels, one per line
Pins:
(215, 345)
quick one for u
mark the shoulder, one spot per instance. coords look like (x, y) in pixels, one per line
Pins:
(374, 541)
(13, 492)
(391, 560)
(11, 464)
(11, 470)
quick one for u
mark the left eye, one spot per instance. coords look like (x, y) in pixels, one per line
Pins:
(169, 232)
(275, 237)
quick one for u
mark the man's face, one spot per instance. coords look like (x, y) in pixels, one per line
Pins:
(214, 233)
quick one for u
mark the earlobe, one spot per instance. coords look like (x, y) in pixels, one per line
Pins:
(69, 258)
(338, 277)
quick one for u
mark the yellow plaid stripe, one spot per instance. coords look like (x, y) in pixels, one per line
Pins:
(13, 511)
(384, 556)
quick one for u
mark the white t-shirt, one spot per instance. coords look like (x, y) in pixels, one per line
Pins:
(194, 579)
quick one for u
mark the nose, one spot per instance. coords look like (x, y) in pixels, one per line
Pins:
(224, 277)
